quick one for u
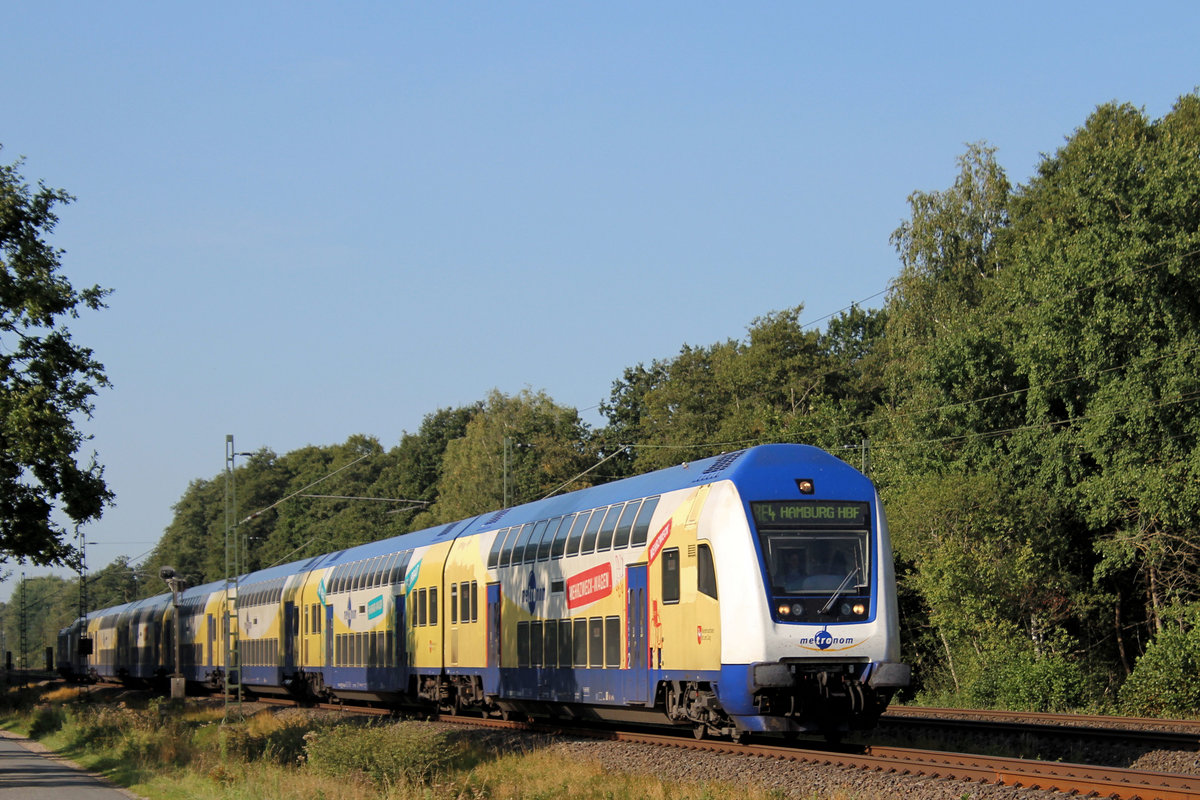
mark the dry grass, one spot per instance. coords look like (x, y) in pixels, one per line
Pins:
(164, 754)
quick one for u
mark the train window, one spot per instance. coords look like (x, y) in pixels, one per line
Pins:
(518, 553)
(494, 554)
(522, 644)
(550, 643)
(670, 575)
(577, 533)
(612, 642)
(543, 551)
(589, 534)
(397, 570)
(317, 617)
(464, 602)
(596, 642)
(454, 604)
(535, 539)
(605, 539)
(641, 525)
(625, 526)
(535, 643)
(580, 633)
(433, 605)
(559, 545)
(474, 601)
(360, 575)
(422, 608)
(510, 541)
(706, 572)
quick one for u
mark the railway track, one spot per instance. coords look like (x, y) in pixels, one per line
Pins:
(1076, 779)
(1146, 733)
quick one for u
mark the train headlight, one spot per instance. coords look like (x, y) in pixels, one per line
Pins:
(797, 609)
(784, 609)
(859, 609)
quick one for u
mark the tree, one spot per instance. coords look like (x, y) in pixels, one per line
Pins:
(546, 449)
(46, 382)
(1105, 288)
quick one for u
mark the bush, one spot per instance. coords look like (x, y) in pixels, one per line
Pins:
(266, 736)
(1025, 681)
(408, 752)
(46, 720)
(100, 726)
(1166, 679)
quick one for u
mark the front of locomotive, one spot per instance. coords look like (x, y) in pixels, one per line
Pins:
(816, 647)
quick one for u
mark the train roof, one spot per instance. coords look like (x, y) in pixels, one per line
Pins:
(765, 472)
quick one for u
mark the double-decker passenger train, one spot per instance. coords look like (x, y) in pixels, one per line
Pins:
(749, 592)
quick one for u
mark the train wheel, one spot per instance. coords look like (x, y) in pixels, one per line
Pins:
(700, 730)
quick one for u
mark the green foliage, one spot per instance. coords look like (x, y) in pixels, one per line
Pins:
(46, 383)
(271, 737)
(404, 752)
(1018, 678)
(101, 725)
(547, 448)
(1166, 680)
(47, 719)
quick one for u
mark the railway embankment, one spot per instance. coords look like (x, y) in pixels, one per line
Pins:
(158, 750)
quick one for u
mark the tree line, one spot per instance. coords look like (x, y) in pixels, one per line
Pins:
(1025, 399)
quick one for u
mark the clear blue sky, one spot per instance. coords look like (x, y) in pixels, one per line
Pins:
(328, 219)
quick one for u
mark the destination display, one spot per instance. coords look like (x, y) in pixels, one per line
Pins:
(811, 513)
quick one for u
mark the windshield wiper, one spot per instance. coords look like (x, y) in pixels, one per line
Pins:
(838, 592)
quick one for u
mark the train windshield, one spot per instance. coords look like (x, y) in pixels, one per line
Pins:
(801, 562)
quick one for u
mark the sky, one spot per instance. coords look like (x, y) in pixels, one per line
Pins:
(324, 219)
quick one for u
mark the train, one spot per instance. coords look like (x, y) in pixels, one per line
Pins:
(752, 592)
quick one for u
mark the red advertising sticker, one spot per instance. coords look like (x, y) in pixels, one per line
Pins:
(659, 540)
(589, 586)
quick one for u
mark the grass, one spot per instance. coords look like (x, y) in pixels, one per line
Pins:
(166, 753)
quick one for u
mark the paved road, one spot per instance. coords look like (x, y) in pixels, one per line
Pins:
(25, 775)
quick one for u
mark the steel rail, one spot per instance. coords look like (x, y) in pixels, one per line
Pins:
(1045, 718)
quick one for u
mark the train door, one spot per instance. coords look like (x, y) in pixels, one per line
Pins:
(328, 636)
(493, 619)
(635, 633)
(400, 632)
(290, 618)
(212, 630)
